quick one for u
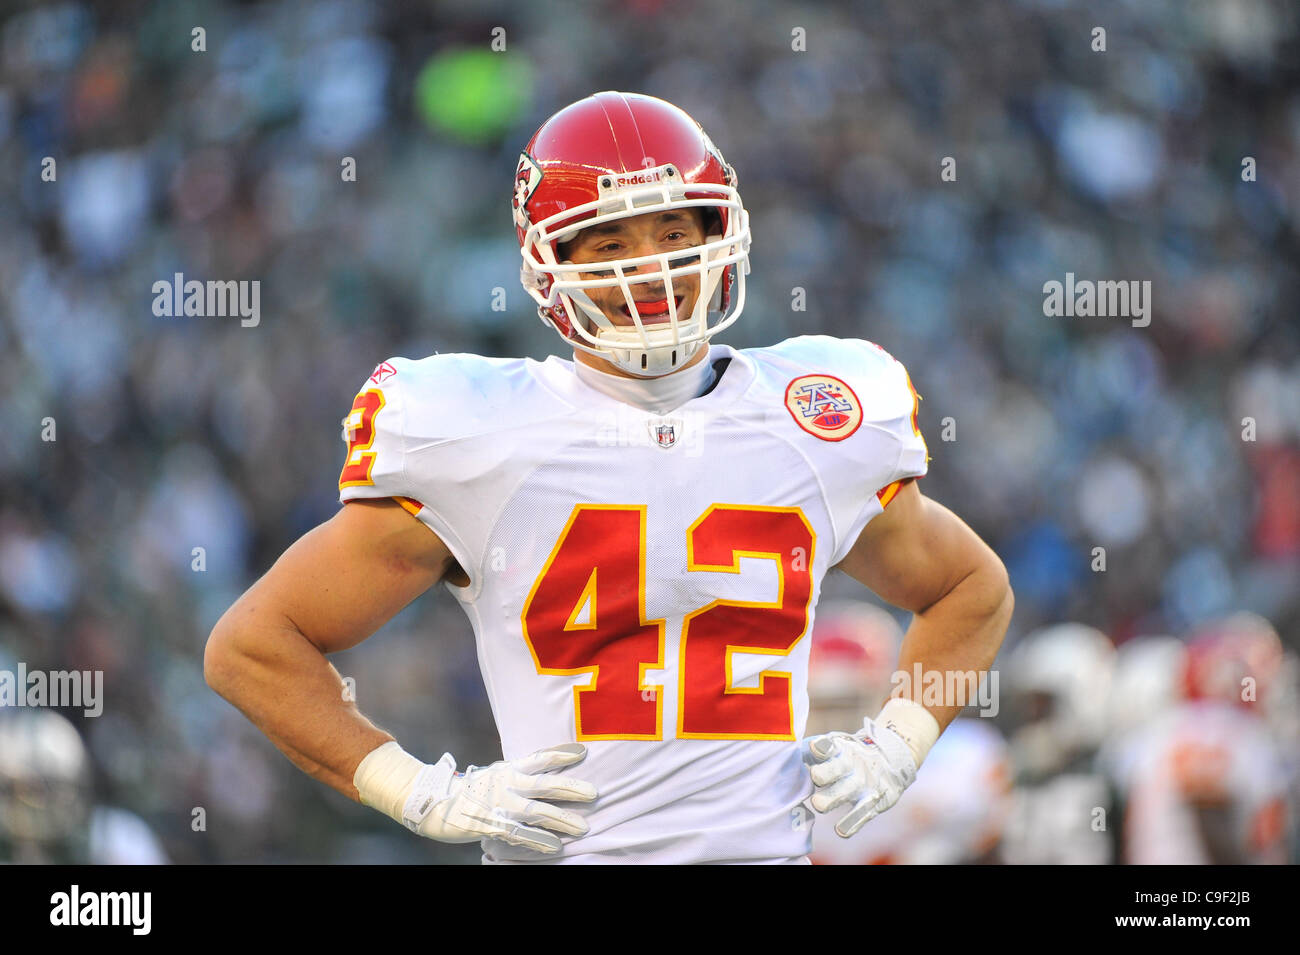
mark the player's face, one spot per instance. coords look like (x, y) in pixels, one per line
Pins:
(648, 234)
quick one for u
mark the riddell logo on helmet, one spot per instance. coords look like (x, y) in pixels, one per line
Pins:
(637, 178)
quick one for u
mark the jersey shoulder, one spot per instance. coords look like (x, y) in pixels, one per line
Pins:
(451, 396)
(408, 406)
(878, 383)
(850, 409)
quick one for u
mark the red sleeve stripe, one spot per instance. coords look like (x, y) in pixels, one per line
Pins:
(409, 504)
(886, 494)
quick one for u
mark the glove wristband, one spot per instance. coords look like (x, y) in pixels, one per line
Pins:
(430, 787)
(399, 785)
(912, 723)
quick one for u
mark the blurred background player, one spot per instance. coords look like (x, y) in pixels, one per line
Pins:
(954, 811)
(1056, 685)
(1145, 683)
(855, 649)
(47, 814)
(1208, 782)
(44, 788)
(1282, 711)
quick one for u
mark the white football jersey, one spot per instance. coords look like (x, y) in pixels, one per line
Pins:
(643, 583)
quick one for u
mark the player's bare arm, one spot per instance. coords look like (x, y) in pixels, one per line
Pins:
(331, 590)
(920, 556)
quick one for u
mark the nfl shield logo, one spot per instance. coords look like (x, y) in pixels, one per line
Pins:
(665, 435)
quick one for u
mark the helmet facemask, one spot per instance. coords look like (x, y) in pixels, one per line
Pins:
(720, 264)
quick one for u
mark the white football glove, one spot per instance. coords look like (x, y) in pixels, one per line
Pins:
(868, 769)
(501, 801)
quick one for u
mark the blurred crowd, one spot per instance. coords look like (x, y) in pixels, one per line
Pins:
(152, 467)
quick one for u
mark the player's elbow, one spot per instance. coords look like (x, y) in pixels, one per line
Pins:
(1001, 599)
(221, 658)
(216, 660)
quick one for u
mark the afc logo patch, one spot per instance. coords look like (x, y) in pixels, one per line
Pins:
(383, 371)
(823, 406)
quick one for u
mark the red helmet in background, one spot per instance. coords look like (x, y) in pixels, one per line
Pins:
(611, 156)
(1235, 659)
(854, 653)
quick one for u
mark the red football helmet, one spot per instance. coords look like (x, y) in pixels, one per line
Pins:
(611, 156)
(854, 654)
(1226, 653)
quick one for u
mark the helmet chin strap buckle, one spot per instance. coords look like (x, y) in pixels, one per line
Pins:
(653, 362)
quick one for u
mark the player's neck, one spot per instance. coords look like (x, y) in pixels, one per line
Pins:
(658, 395)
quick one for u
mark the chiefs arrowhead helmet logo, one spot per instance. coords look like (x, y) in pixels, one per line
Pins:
(528, 176)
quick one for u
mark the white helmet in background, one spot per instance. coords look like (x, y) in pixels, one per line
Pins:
(1059, 681)
(45, 794)
(1146, 682)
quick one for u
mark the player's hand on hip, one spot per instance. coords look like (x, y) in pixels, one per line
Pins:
(508, 800)
(868, 770)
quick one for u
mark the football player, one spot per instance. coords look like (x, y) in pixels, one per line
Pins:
(45, 788)
(1208, 783)
(1057, 686)
(639, 537)
(1145, 684)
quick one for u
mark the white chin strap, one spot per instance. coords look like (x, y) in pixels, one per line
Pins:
(651, 362)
